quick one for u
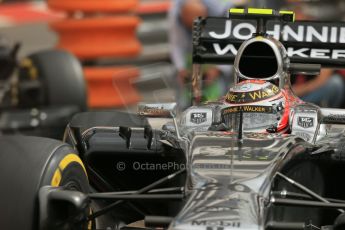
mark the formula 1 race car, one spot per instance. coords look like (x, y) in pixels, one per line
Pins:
(40, 93)
(258, 159)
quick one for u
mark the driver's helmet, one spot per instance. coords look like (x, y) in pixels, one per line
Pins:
(263, 105)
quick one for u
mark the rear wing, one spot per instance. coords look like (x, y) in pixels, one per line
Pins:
(216, 40)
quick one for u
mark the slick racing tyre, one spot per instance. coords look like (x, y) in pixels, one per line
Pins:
(27, 164)
(62, 78)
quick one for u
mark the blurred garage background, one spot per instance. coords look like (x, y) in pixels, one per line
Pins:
(30, 23)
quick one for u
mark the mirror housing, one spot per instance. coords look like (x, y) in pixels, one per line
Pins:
(158, 110)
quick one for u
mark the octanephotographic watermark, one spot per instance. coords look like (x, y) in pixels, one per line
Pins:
(150, 166)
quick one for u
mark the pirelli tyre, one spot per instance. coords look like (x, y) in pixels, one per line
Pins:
(27, 164)
(61, 76)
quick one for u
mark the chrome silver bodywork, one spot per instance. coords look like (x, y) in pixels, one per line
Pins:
(229, 185)
(230, 179)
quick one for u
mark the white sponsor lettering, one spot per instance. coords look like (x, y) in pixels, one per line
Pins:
(226, 34)
(301, 33)
(222, 51)
(337, 54)
(288, 32)
(244, 27)
(313, 33)
(333, 37)
(319, 53)
(300, 52)
(275, 32)
(342, 35)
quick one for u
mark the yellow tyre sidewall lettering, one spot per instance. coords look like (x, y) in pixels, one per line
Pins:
(29, 65)
(64, 163)
(56, 178)
(89, 224)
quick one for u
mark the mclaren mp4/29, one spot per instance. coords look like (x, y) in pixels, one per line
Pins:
(258, 159)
